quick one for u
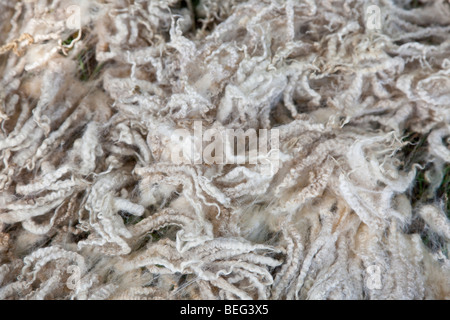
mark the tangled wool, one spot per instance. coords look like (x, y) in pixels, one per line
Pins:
(91, 206)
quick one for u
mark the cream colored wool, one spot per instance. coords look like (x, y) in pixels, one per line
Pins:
(92, 208)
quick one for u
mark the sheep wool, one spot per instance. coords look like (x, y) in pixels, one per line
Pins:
(348, 199)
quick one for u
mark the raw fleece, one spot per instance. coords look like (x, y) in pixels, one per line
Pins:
(91, 206)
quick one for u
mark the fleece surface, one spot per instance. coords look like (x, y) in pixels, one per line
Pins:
(92, 205)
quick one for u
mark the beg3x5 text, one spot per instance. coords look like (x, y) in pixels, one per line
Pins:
(228, 309)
